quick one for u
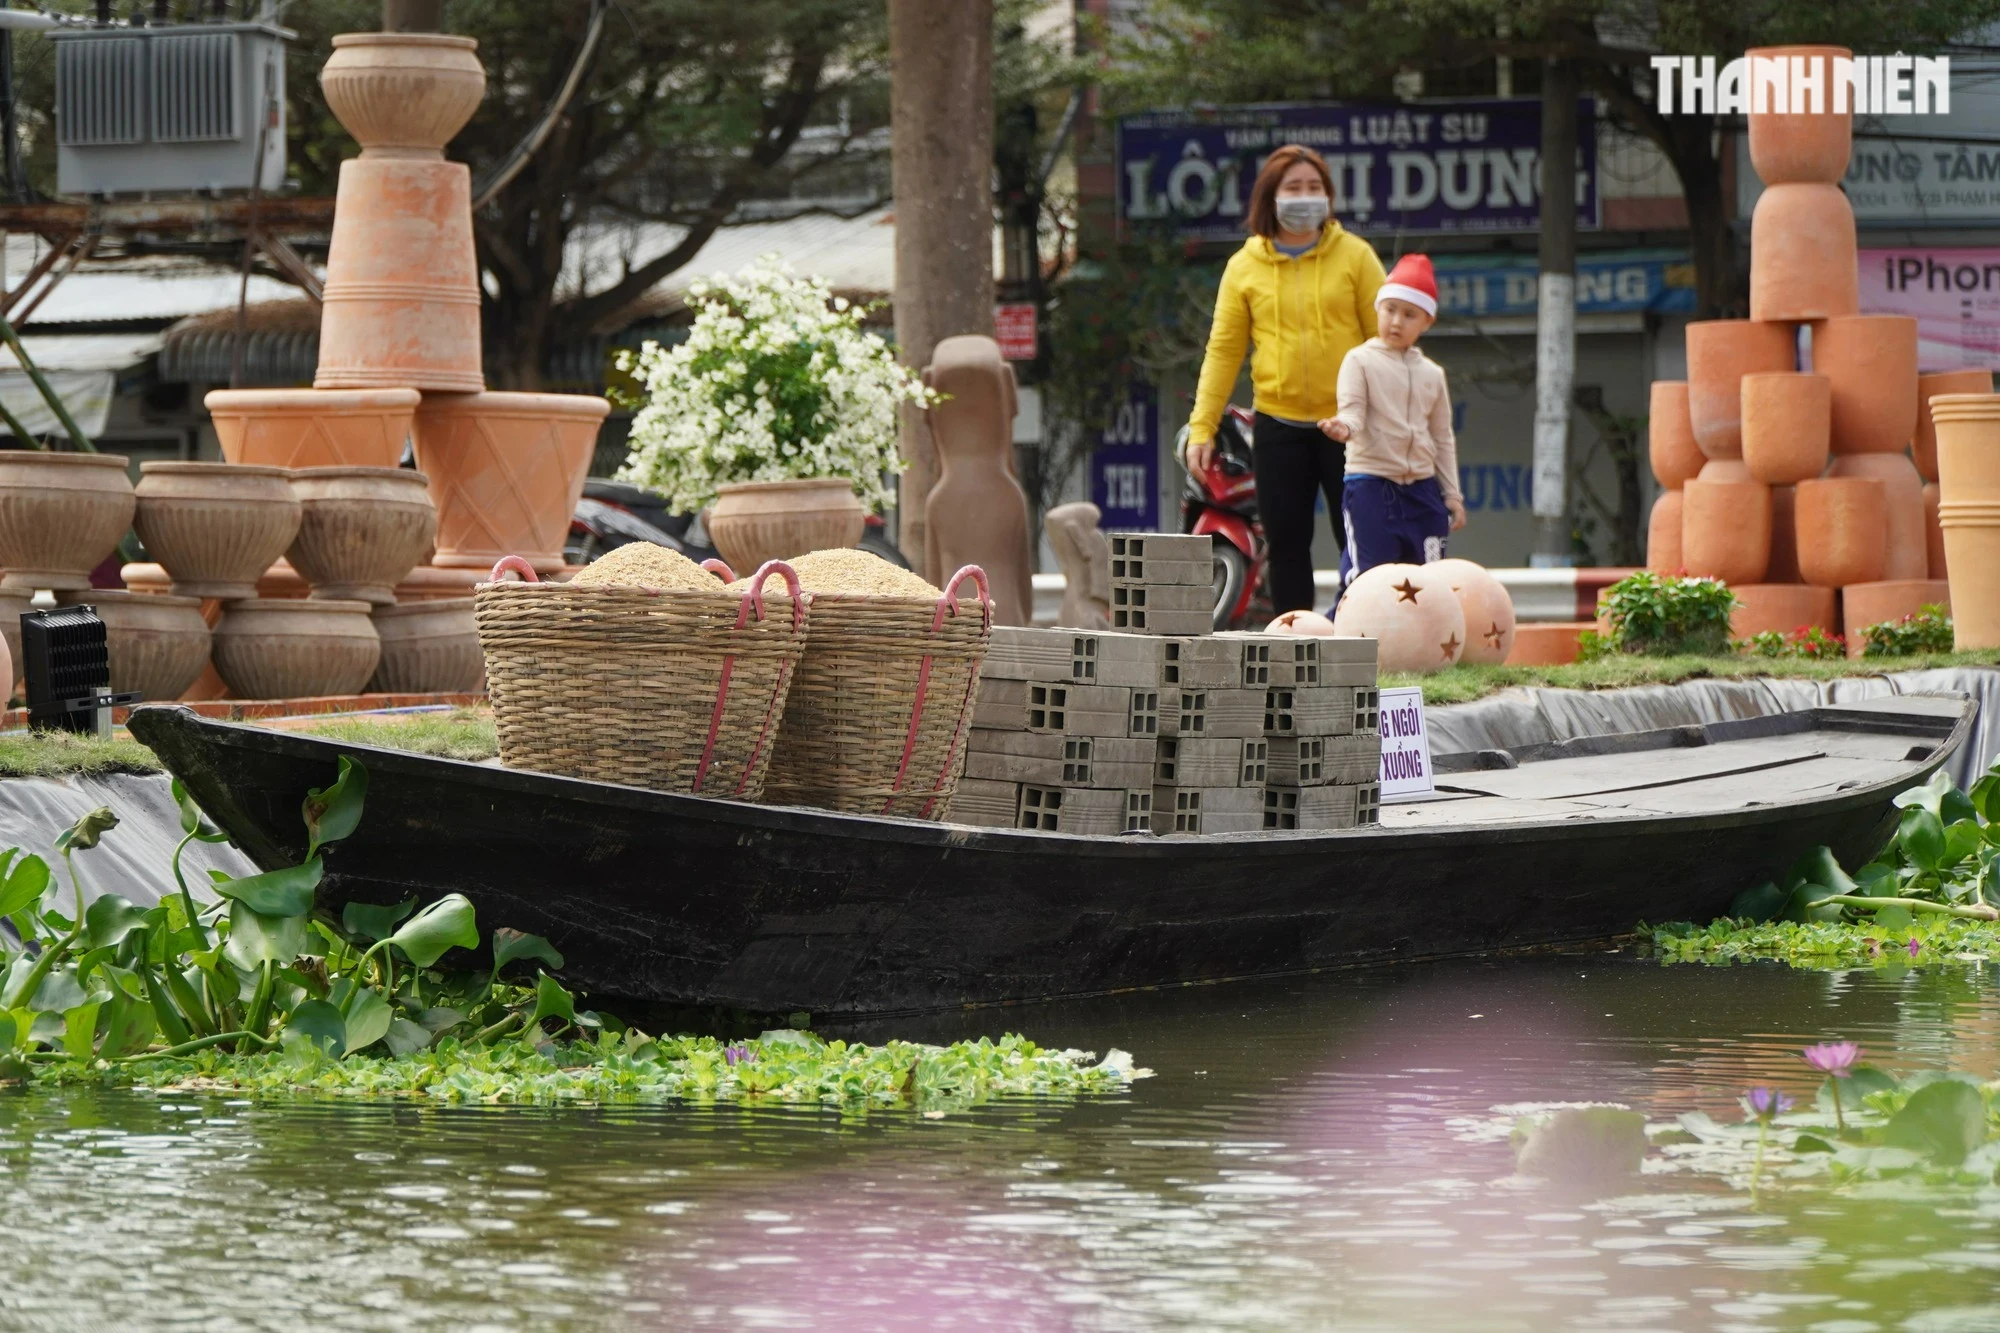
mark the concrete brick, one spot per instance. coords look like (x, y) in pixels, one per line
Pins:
(1305, 710)
(1087, 658)
(1161, 546)
(1074, 710)
(1194, 810)
(1317, 761)
(1199, 761)
(1326, 808)
(1159, 571)
(1157, 598)
(1060, 761)
(1237, 714)
(1104, 812)
(1140, 620)
(986, 804)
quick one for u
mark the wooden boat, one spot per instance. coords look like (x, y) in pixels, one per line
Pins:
(770, 909)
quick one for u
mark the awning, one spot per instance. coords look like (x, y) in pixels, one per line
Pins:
(82, 369)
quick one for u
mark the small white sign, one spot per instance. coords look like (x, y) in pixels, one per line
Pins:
(1406, 746)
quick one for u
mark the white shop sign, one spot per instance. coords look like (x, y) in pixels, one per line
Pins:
(1406, 745)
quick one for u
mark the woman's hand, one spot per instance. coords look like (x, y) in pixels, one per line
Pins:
(1335, 429)
(1456, 508)
(1200, 453)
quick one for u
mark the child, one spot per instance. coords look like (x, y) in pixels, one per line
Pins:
(1401, 474)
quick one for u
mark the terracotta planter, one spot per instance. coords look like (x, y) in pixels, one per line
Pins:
(215, 527)
(429, 648)
(1786, 419)
(364, 529)
(1663, 535)
(1968, 447)
(158, 645)
(13, 605)
(755, 521)
(1547, 643)
(1726, 530)
(1872, 362)
(403, 93)
(1933, 534)
(1787, 148)
(60, 515)
(1865, 604)
(1908, 551)
(1670, 435)
(1842, 530)
(1784, 566)
(1784, 607)
(506, 470)
(1726, 469)
(295, 648)
(1972, 550)
(1803, 263)
(1488, 609)
(312, 427)
(1924, 447)
(1720, 352)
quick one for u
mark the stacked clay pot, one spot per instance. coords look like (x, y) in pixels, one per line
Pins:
(428, 648)
(363, 529)
(1677, 459)
(61, 515)
(1968, 465)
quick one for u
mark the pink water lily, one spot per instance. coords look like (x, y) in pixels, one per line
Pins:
(1916, 947)
(1833, 1058)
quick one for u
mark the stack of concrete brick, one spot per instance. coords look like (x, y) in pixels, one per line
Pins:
(1162, 583)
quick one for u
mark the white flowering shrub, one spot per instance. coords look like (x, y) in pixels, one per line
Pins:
(777, 381)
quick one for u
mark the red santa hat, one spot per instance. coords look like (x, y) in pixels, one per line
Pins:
(1412, 280)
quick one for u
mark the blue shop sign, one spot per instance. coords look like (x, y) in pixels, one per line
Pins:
(1660, 283)
(1125, 468)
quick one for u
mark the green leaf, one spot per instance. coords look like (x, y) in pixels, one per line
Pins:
(373, 923)
(84, 833)
(26, 881)
(1962, 841)
(1811, 1143)
(332, 813)
(1921, 836)
(405, 1037)
(368, 1020)
(79, 1036)
(255, 938)
(1759, 903)
(110, 919)
(59, 992)
(191, 817)
(449, 921)
(1929, 796)
(320, 1023)
(1985, 796)
(1800, 906)
(275, 893)
(510, 945)
(1818, 867)
(1853, 1090)
(1895, 916)
(1955, 807)
(129, 1027)
(1945, 1120)
(552, 1001)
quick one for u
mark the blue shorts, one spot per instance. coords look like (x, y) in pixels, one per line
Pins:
(1391, 524)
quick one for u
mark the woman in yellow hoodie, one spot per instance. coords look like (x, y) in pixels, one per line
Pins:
(1301, 291)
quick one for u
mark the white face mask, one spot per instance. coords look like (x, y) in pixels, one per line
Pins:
(1302, 212)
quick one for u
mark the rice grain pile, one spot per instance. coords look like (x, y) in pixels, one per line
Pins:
(645, 565)
(850, 571)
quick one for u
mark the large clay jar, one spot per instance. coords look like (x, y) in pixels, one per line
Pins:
(1872, 363)
(1842, 530)
(1670, 435)
(1725, 469)
(61, 514)
(215, 527)
(1865, 604)
(158, 645)
(506, 470)
(1720, 352)
(1968, 447)
(1934, 534)
(1488, 608)
(364, 529)
(428, 648)
(755, 521)
(1803, 264)
(1663, 535)
(313, 427)
(296, 648)
(1411, 613)
(1784, 566)
(1908, 552)
(1972, 551)
(1726, 530)
(1786, 419)
(1810, 146)
(403, 93)
(1924, 447)
(1784, 607)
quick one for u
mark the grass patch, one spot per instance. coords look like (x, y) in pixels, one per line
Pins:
(1463, 684)
(1823, 945)
(463, 733)
(52, 754)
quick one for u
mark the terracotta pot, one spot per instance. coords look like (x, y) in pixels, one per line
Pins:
(1548, 643)
(364, 529)
(1488, 609)
(295, 648)
(754, 521)
(1670, 435)
(403, 93)
(1933, 534)
(1411, 613)
(1720, 352)
(1968, 446)
(1784, 566)
(1872, 362)
(1803, 263)
(13, 605)
(1924, 447)
(158, 645)
(1972, 550)
(313, 427)
(1663, 535)
(1842, 530)
(429, 648)
(506, 470)
(1726, 530)
(1726, 469)
(1784, 607)
(60, 515)
(215, 527)
(1786, 420)
(1908, 551)
(1809, 147)
(1865, 604)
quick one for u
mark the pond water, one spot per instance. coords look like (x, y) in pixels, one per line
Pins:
(1312, 1153)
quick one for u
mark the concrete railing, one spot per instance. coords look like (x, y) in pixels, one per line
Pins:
(1540, 596)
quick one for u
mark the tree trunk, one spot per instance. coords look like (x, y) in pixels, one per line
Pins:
(412, 15)
(1718, 279)
(941, 166)
(1555, 318)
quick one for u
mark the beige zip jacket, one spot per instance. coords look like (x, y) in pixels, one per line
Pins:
(1397, 410)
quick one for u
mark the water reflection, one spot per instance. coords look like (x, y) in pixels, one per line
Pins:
(1312, 1154)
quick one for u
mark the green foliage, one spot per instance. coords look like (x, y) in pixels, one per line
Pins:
(1617, 671)
(1808, 642)
(1927, 631)
(1825, 945)
(1662, 615)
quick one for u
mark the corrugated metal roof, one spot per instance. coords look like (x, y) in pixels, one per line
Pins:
(83, 351)
(856, 255)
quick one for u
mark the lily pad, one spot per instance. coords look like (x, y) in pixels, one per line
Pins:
(1944, 1120)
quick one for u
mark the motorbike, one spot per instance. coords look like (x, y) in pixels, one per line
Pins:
(1221, 500)
(611, 514)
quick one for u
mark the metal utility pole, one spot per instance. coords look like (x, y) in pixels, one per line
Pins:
(1555, 317)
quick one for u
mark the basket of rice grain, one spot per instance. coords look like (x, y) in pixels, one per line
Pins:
(642, 670)
(876, 720)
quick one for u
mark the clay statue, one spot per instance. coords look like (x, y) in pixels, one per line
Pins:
(976, 514)
(1083, 553)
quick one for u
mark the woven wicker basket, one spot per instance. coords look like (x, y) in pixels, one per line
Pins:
(876, 720)
(678, 691)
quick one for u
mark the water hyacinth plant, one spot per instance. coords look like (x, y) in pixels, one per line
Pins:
(1660, 614)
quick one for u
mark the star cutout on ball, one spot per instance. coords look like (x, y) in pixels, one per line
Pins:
(1449, 648)
(1494, 636)
(1408, 591)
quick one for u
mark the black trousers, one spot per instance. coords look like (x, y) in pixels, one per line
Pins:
(1295, 465)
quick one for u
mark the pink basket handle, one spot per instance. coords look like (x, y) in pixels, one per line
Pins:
(948, 601)
(754, 594)
(721, 569)
(513, 564)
